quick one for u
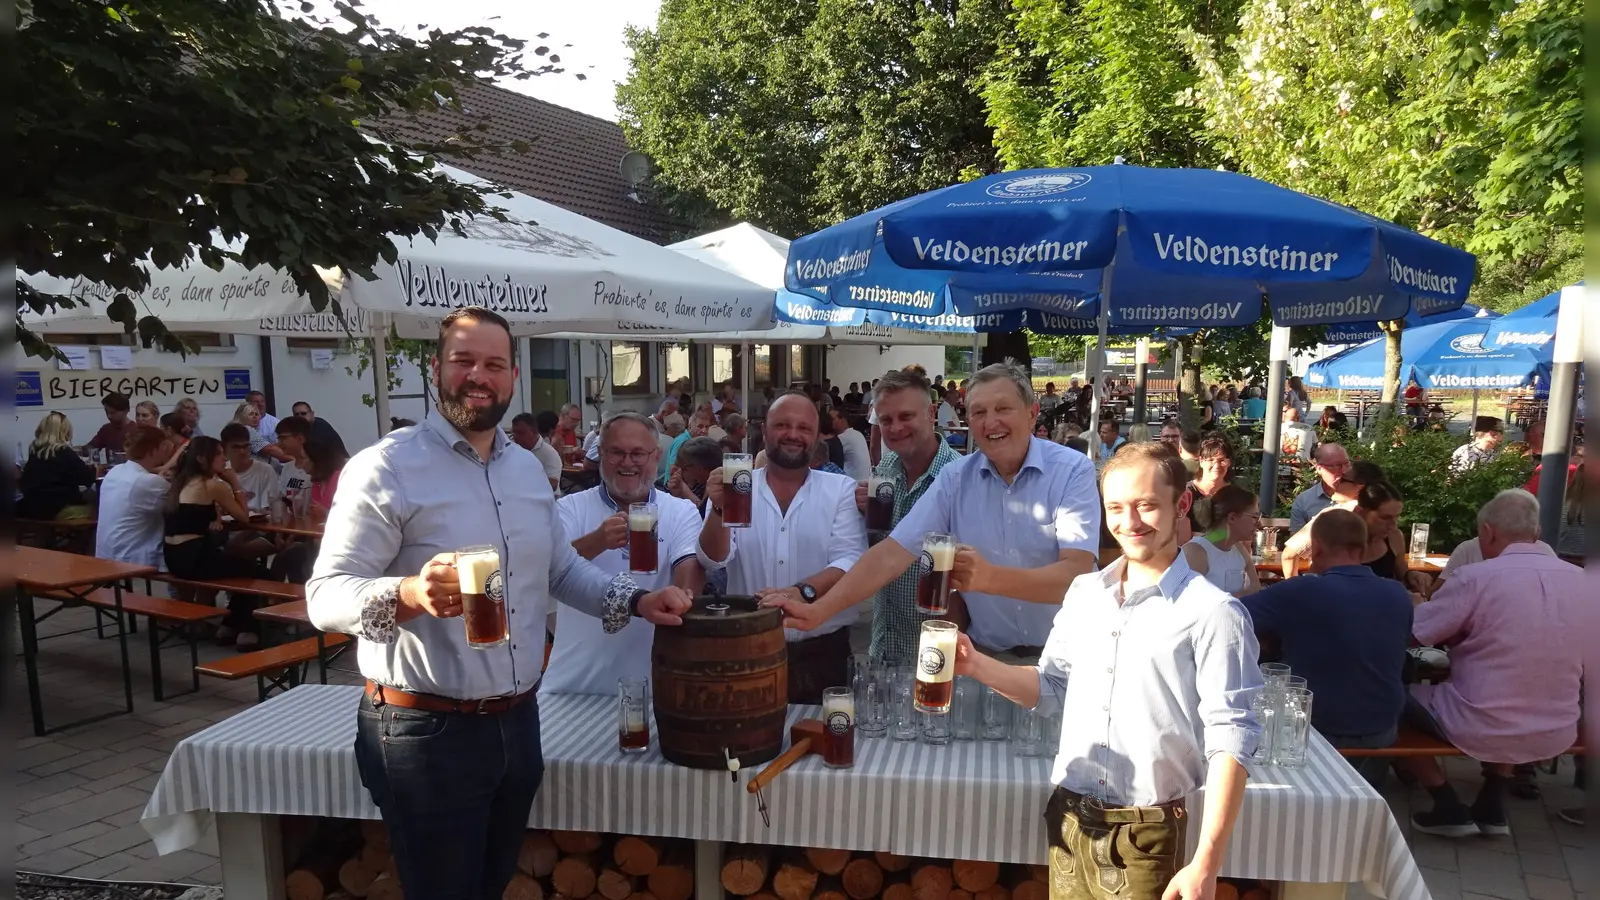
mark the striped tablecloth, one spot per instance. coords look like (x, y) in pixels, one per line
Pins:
(293, 755)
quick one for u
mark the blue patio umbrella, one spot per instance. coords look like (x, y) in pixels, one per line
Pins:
(1186, 247)
(1533, 325)
(1361, 332)
(1441, 356)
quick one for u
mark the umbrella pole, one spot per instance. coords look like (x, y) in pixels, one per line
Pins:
(1097, 365)
(380, 378)
(746, 381)
(1568, 356)
(1177, 377)
(1141, 351)
(1475, 405)
(1271, 431)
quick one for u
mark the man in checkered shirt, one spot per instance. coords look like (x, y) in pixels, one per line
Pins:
(914, 456)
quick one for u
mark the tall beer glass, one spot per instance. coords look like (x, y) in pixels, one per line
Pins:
(643, 555)
(880, 503)
(738, 486)
(936, 666)
(483, 597)
(838, 728)
(938, 558)
(633, 727)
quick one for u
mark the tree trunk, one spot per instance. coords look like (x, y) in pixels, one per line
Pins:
(1392, 331)
(1189, 387)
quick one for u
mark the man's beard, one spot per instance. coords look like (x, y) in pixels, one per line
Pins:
(466, 418)
(785, 459)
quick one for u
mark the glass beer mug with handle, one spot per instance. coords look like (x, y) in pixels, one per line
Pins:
(633, 723)
(738, 489)
(938, 560)
(643, 552)
(936, 666)
(483, 600)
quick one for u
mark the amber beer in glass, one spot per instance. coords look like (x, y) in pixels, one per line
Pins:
(643, 555)
(936, 666)
(838, 728)
(633, 727)
(738, 487)
(938, 558)
(483, 600)
(880, 503)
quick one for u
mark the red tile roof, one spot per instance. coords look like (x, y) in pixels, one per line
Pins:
(574, 161)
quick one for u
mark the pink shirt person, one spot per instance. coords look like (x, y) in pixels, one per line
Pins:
(1517, 627)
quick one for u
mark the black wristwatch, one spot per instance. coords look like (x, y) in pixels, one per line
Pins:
(633, 602)
(807, 592)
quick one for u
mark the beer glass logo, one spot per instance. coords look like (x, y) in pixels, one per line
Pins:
(886, 491)
(932, 660)
(839, 722)
(926, 562)
(743, 481)
(495, 588)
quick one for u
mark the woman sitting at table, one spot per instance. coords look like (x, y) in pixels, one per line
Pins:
(176, 425)
(1379, 505)
(1215, 468)
(55, 482)
(146, 412)
(1223, 554)
(247, 415)
(326, 464)
(196, 546)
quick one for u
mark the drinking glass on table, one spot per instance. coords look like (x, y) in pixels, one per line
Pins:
(1293, 729)
(903, 725)
(633, 724)
(873, 684)
(1027, 731)
(966, 708)
(935, 728)
(838, 728)
(1419, 540)
(995, 724)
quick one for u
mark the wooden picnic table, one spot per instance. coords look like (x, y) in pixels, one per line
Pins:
(37, 571)
(294, 615)
(306, 528)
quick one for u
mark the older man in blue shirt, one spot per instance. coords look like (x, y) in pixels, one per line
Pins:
(1025, 511)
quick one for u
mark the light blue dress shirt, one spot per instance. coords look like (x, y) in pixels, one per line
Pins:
(1051, 505)
(1149, 687)
(422, 491)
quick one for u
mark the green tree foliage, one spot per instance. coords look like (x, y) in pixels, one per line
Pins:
(796, 114)
(149, 125)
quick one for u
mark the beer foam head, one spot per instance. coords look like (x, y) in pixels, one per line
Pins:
(476, 569)
(641, 521)
(736, 463)
(841, 703)
(942, 557)
(936, 654)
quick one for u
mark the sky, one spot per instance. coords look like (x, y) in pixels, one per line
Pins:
(593, 28)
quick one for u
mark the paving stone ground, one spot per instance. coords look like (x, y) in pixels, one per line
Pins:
(79, 793)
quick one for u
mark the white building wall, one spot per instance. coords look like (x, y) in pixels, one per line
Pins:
(855, 362)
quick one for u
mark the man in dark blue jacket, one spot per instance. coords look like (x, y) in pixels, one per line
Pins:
(1346, 631)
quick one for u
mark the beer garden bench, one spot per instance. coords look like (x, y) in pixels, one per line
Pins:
(194, 591)
(1411, 743)
(277, 668)
(71, 535)
(169, 621)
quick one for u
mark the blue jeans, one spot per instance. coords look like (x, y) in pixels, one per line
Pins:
(1373, 768)
(455, 791)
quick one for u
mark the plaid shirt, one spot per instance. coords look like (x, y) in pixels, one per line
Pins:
(896, 624)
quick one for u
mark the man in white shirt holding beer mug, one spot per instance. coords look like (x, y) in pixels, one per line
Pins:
(622, 525)
(447, 732)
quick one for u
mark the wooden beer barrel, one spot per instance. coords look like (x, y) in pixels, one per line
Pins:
(721, 681)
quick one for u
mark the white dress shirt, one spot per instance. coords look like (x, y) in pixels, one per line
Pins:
(1149, 687)
(132, 516)
(586, 660)
(857, 458)
(421, 491)
(822, 530)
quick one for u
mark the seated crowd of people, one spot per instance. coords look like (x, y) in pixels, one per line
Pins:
(157, 488)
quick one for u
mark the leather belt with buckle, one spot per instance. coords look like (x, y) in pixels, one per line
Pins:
(1092, 810)
(382, 695)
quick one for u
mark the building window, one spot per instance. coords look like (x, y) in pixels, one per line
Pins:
(799, 365)
(763, 371)
(677, 363)
(630, 367)
(721, 364)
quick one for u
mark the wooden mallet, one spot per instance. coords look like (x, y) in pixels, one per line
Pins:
(805, 737)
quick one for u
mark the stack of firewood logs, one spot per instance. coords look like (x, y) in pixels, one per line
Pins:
(771, 873)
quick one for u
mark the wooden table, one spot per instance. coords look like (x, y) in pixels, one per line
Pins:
(74, 575)
(306, 528)
(294, 615)
(1433, 563)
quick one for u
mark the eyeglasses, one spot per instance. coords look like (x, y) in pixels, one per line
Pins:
(632, 456)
